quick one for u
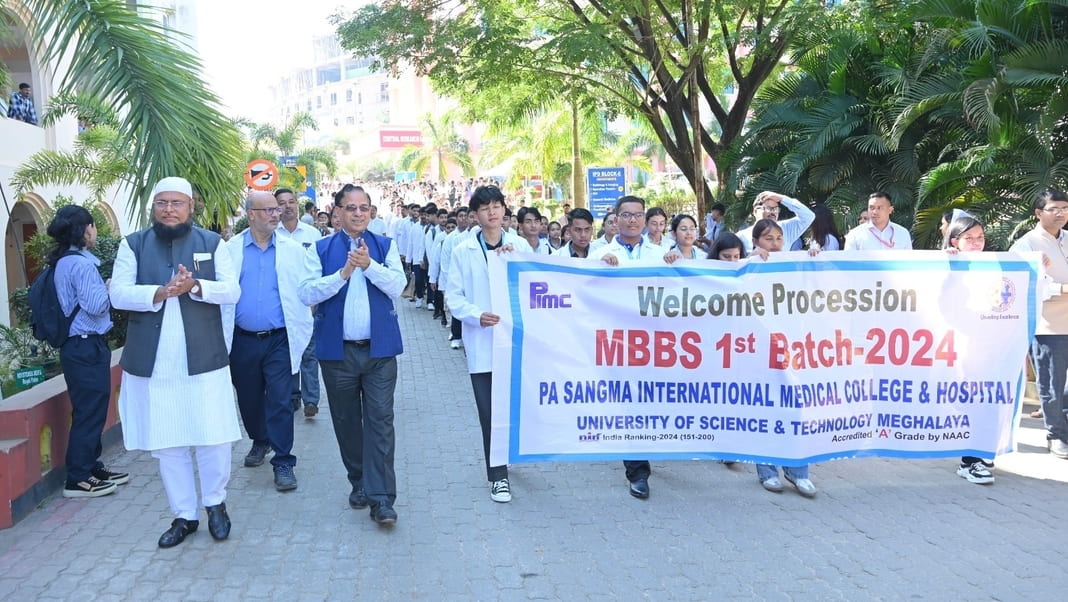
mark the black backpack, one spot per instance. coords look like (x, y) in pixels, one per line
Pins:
(46, 316)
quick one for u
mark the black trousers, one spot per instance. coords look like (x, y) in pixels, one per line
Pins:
(87, 370)
(482, 383)
(360, 391)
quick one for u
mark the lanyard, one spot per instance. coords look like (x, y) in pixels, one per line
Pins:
(875, 233)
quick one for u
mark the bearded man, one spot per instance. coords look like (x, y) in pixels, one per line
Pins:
(176, 398)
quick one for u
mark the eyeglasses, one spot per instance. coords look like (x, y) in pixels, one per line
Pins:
(268, 210)
(1056, 210)
(627, 215)
(685, 230)
(163, 204)
(355, 208)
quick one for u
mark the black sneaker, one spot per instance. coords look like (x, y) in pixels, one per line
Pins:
(91, 487)
(256, 455)
(284, 479)
(103, 474)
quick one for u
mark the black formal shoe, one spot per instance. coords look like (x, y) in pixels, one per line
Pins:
(176, 534)
(639, 488)
(256, 455)
(218, 521)
(383, 514)
(358, 499)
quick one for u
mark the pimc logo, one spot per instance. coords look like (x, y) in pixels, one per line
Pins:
(540, 298)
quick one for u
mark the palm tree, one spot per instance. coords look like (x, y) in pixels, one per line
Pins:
(442, 146)
(169, 121)
(284, 142)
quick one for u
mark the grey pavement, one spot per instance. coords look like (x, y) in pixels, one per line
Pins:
(879, 529)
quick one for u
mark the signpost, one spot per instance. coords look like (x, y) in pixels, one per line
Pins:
(605, 186)
(261, 174)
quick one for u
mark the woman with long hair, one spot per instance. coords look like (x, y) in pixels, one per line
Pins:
(555, 236)
(655, 222)
(825, 235)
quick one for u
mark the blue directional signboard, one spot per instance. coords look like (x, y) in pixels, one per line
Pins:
(605, 185)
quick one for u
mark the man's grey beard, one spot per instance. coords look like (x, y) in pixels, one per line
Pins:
(170, 233)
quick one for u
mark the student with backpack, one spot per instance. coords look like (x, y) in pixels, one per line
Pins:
(84, 352)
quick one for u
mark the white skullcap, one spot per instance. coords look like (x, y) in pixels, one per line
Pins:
(173, 184)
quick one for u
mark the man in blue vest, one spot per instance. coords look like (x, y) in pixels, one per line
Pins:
(354, 277)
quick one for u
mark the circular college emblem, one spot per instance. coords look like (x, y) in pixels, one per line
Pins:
(1003, 296)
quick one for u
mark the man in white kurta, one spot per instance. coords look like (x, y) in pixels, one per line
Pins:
(171, 412)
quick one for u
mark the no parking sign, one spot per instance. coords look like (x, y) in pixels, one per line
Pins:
(261, 174)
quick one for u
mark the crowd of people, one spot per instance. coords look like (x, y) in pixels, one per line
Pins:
(219, 329)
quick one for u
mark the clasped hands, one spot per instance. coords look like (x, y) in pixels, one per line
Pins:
(181, 283)
(358, 258)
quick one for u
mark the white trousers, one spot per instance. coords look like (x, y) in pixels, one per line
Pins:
(176, 470)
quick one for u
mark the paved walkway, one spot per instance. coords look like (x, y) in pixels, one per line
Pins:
(879, 529)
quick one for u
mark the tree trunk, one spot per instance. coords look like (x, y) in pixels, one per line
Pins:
(578, 170)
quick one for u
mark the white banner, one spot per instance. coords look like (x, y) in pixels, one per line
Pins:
(791, 361)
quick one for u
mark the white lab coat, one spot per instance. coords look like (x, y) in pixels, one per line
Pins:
(289, 264)
(467, 294)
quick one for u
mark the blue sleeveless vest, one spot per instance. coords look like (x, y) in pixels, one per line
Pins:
(329, 325)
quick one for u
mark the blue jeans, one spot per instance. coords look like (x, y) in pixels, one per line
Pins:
(1049, 353)
(766, 471)
(306, 382)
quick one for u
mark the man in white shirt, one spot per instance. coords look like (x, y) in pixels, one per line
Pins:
(766, 206)
(629, 245)
(1049, 349)
(462, 231)
(377, 225)
(580, 224)
(880, 233)
(530, 228)
(305, 384)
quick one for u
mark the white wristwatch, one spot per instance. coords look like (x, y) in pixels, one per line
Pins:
(195, 290)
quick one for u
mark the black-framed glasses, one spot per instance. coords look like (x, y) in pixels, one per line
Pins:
(268, 210)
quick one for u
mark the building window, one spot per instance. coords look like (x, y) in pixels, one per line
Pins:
(333, 98)
(350, 120)
(348, 95)
(383, 92)
(318, 102)
(359, 98)
(309, 104)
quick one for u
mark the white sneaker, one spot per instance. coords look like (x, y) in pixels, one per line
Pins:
(804, 486)
(418, 303)
(1058, 448)
(454, 344)
(499, 491)
(430, 307)
(772, 484)
(976, 473)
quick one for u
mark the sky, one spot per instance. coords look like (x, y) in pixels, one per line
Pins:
(241, 61)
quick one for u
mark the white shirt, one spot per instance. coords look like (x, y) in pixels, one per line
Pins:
(866, 237)
(306, 235)
(792, 228)
(377, 226)
(356, 322)
(1054, 318)
(643, 250)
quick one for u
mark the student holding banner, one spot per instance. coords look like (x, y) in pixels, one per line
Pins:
(768, 238)
(467, 293)
(629, 245)
(965, 233)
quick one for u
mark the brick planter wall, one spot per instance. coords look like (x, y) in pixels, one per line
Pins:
(33, 442)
